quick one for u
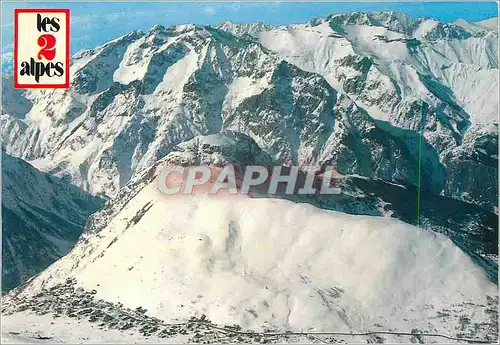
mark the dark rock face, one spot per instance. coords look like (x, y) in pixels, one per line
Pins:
(42, 218)
(472, 171)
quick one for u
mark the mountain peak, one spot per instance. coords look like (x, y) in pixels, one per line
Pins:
(244, 28)
(157, 27)
(491, 23)
(419, 28)
(391, 19)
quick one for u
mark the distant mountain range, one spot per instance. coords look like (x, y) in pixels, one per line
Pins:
(353, 89)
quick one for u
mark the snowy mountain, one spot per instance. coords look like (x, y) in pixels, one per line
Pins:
(42, 218)
(354, 90)
(233, 260)
(491, 23)
(406, 111)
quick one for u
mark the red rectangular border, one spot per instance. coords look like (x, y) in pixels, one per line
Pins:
(38, 86)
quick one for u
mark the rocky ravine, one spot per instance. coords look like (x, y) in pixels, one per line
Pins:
(42, 218)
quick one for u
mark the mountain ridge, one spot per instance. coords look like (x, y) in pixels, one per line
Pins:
(389, 93)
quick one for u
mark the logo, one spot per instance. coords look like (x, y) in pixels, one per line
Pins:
(41, 48)
(252, 179)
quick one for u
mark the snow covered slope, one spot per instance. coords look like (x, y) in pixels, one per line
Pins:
(235, 260)
(42, 218)
(353, 89)
(491, 23)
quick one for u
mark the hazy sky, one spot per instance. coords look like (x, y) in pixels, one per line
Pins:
(97, 22)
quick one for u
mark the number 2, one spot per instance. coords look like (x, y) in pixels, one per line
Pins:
(48, 43)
